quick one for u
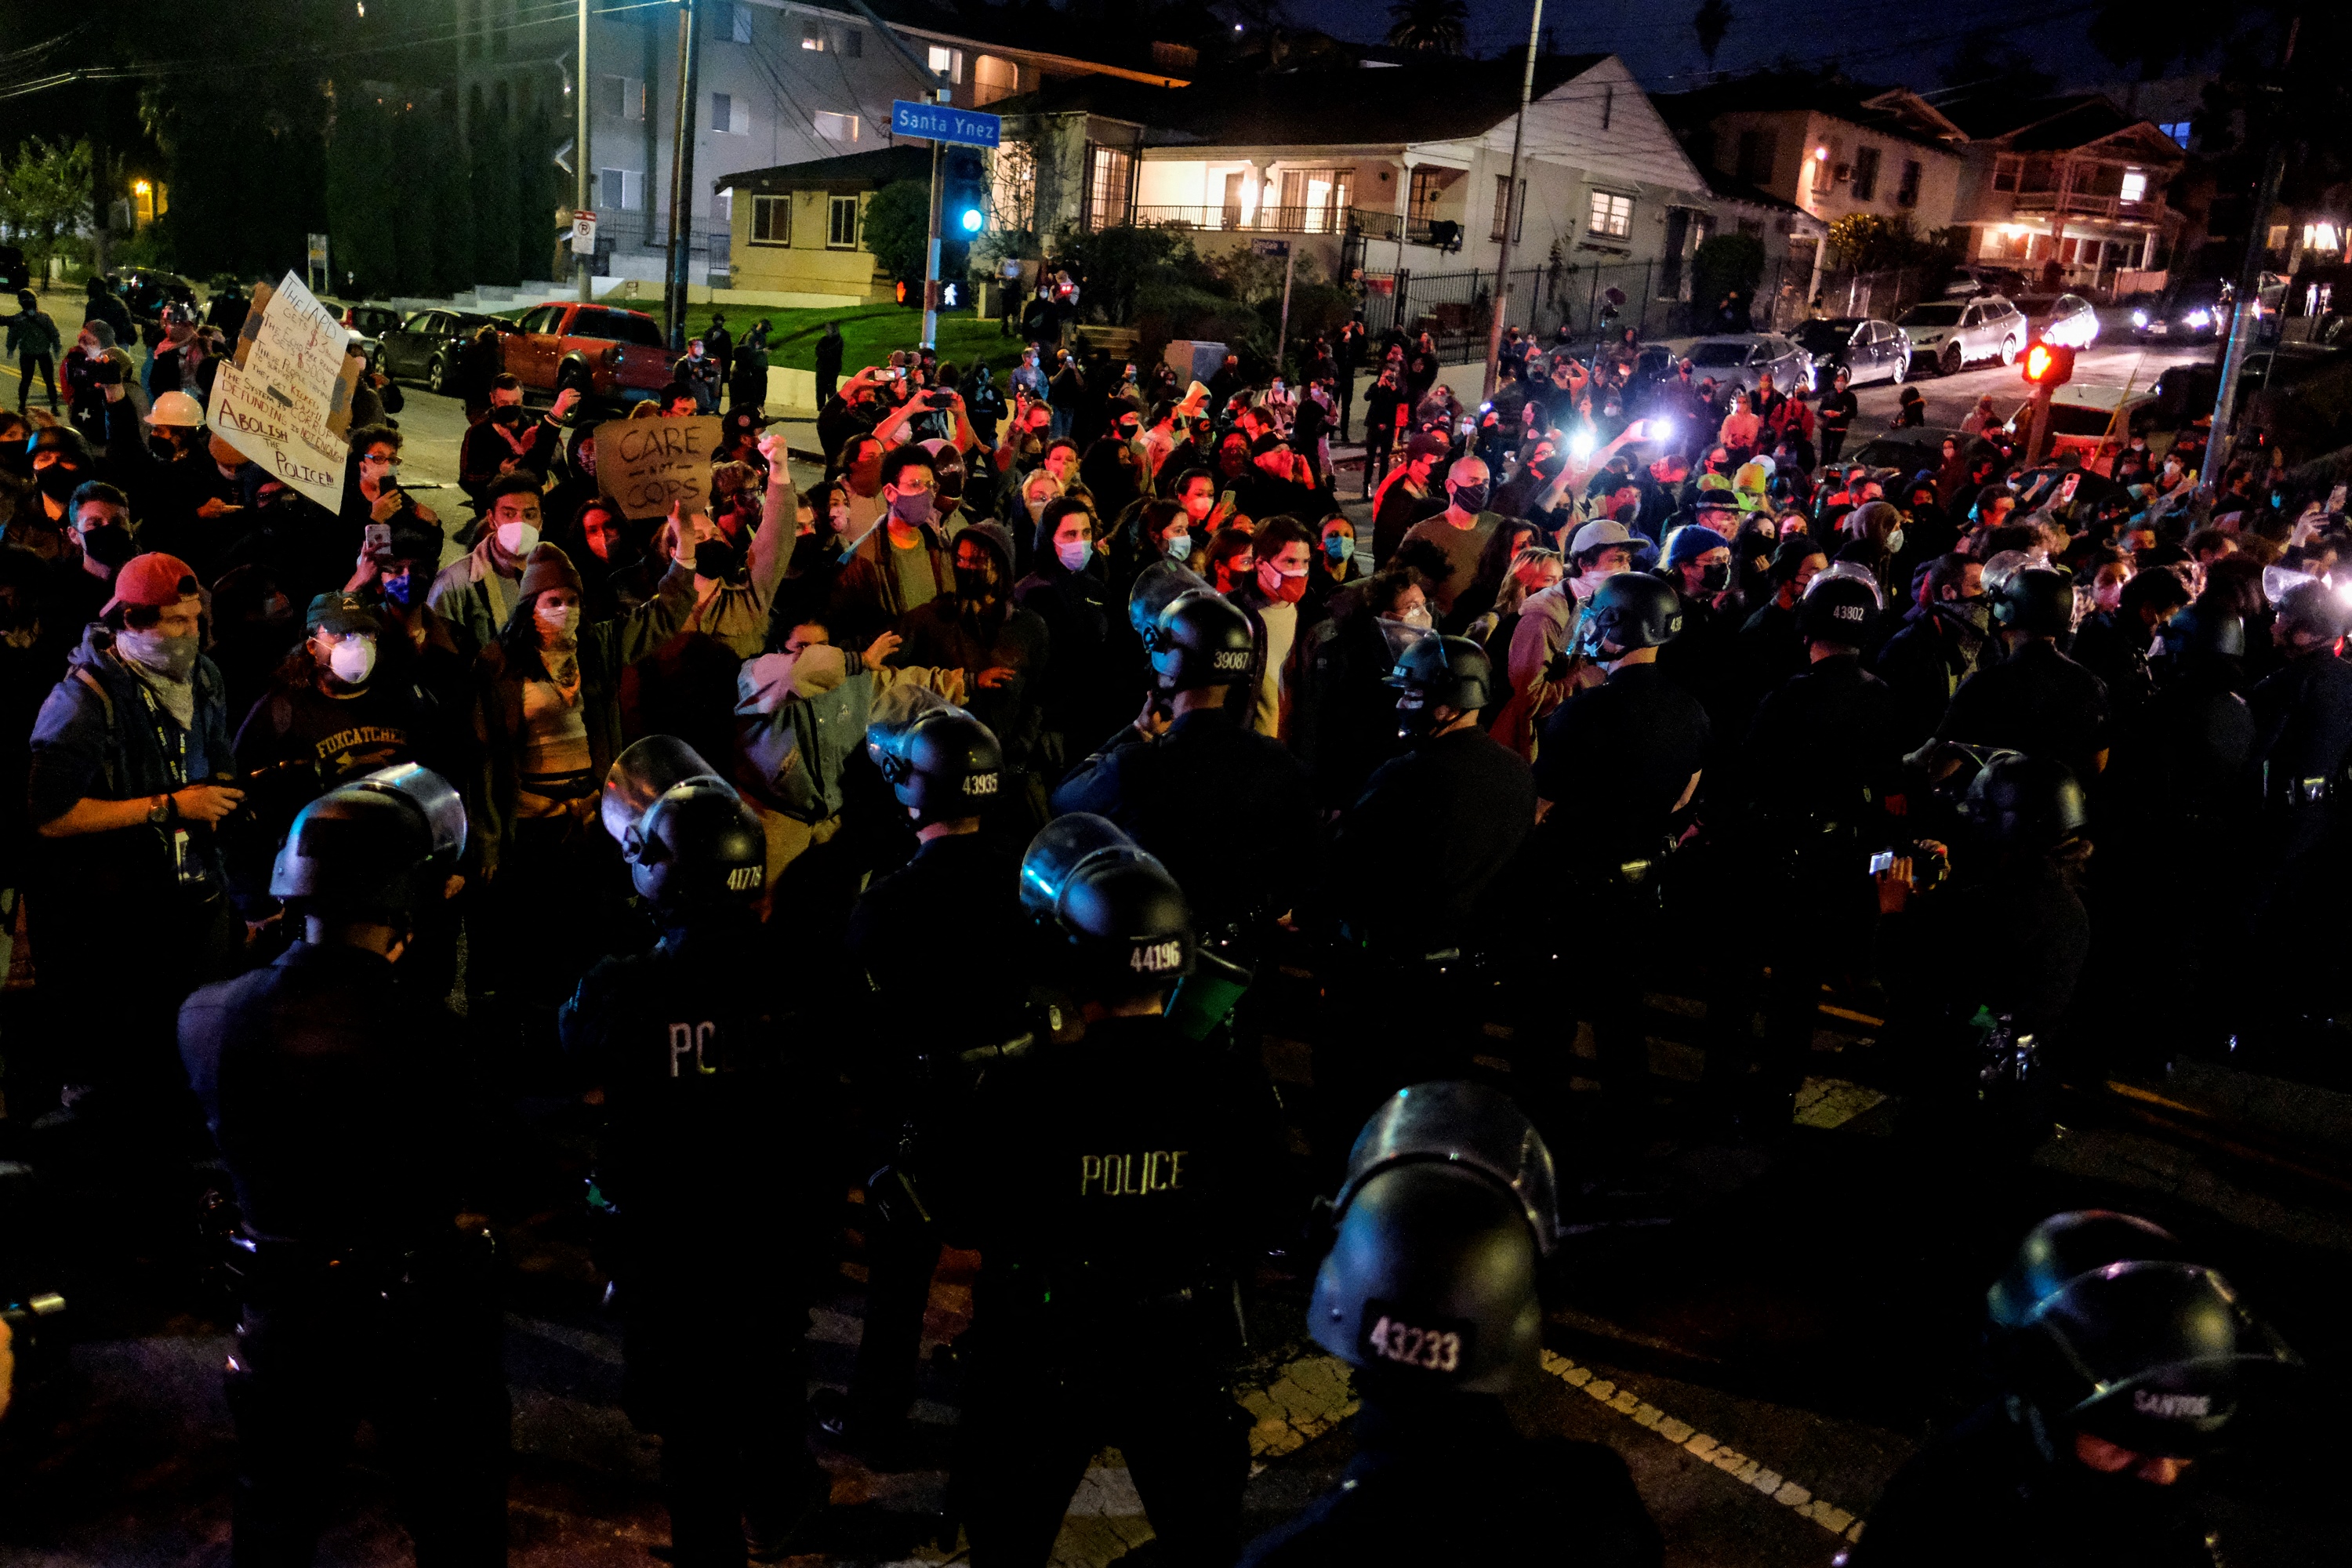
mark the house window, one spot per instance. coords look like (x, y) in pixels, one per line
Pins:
(1865, 174)
(620, 190)
(724, 205)
(853, 43)
(1503, 208)
(841, 223)
(1421, 197)
(835, 127)
(723, 106)
(1907, 195)
(1013, 186)
(992, 78)
(738, 24)
(772, 220)
(947, 62)
(1759, 150)
(2005, 170)
(1108, 172)
(812, 35)
(1316, 201)
(2134, 188)
(1613, 214)
(2176, 128)
(623, 97)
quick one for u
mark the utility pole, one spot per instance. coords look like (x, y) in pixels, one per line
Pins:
(583, 265)
(1511, 215)
(937, 88)
(2247, 307)
(681, 179)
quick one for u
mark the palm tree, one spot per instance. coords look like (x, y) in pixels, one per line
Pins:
(1714, 20)
(1436, 25)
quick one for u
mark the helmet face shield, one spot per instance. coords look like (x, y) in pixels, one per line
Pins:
(642, 775)
(1465, 1125)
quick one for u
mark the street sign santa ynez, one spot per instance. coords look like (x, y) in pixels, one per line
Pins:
(941, 122)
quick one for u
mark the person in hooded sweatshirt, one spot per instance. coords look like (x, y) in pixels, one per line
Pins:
(1086, 688)
(1000, 647)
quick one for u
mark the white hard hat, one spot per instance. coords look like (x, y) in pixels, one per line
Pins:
(179, 409)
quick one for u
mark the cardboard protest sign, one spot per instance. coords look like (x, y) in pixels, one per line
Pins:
(284, 399)
(651, 465)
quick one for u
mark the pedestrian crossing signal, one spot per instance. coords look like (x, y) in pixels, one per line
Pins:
(2049, 365)
(902, 291)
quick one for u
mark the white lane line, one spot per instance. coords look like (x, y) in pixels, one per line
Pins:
(1748, 1472)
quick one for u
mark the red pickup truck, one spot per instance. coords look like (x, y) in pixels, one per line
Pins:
(602, 350)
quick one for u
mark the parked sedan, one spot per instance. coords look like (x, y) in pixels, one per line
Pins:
(1951, 333)
(1739, 359)
(1865, 349)
(425, 346)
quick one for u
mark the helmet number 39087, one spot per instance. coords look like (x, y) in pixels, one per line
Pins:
(1437, 1349)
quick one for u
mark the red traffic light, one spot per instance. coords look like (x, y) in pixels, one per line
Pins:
(2049, 365)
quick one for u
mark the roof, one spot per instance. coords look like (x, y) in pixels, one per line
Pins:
(1105, 40)
(1888, 112)
(1723, 187)
(850, 171)
(2058, 124)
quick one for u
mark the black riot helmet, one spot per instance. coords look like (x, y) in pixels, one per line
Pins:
(375, 849)
(1630, 610)
(2311, 611)
(2157, 1357)
(1452, 672)
(2198, 635)
(1466, 1125)
(1156, 586)
(2037, 600)
(2019, 801)
(1839, 610)
(943, 767)
(1123, 926)
(697, 850)
(2064, 1247)
(1200, 640)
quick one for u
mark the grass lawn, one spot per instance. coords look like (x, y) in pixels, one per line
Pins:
(868, 334)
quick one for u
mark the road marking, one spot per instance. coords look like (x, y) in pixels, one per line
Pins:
(1748, 1472)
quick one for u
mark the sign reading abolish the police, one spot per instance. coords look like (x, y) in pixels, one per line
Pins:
(284, 401)
(652, 464)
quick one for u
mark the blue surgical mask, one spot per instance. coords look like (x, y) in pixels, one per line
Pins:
(1338, 547)
(1075, 554)
(1178, 546)
(401, 590)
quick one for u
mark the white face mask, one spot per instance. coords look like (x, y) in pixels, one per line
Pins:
(557, 621)
(353, 660)
(1418, 615)
(518, 539)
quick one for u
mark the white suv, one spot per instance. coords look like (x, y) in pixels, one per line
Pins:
(1951, 332)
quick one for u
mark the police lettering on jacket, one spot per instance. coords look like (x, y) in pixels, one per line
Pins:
(1131, 1175)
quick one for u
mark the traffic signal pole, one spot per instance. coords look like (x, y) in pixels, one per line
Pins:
(931, 250)
(583, 265)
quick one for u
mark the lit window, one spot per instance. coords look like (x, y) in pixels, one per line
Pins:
(947, 62)
(841, 227)
(772, 220)
(2135, 185)
(835, 127)
(2177, 129)
(993, 77)
(1613, 214)
(812, 36)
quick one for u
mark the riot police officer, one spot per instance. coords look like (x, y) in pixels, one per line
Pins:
(1445, 819)
(1192, 747)
(946, 770)
(2115, 1384)
(1616, 763)
(1114, 1185)
(1429, 1293)
(712, 1168)
(1822, 756)
(2036, 699)
(2303, 717)
(365, 1285)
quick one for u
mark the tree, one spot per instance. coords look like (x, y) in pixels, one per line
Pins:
(898, 226)
(1437, 27)
(44, 196)
(1871, 241)
(489, 147)
(1714, 20)
(1726, 264)
(1986, 59)
(363, 204)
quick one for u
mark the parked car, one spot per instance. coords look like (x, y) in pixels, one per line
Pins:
(2192, 309)
(425, 347)
(1737, 359)
(1898, 454)
(367, 324)
(1951, 333)
(2073, 322)
(1979, 280)
(604, 351)
(16, 272)
(2092, 421)
(1867, 350)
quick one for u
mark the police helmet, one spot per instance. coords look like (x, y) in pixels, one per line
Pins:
(699, 847)
(2064, 1247)
(2036, 600)
(1122, 920)
(1837, 610)
(1200, 640)
(1156, 586)
(2154, 1355)
(1431, 1281)
(1468, 1126)
(944, 766)
(1630, 610)
(373, 849)
(641, 775)
(2019, 801)
(1453, 671)
(2196, 633)
(2312, 610)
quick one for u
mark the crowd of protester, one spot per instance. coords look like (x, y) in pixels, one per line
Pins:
(1615, 683)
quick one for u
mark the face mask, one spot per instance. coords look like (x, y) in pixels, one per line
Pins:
(507, 416)
(171, 657)
(400, 590)
(1338, 547)
(1280, 585)
(1177, 546)
(1714, 579)
(57, 481)
(717, 559)
(1469, 498)
(1418, 617)
(353, 660)
(1895, 541)
(914, 508)
(1074, 553)
(557, 623)
(518, 539)
(110, 546)
(974, 582)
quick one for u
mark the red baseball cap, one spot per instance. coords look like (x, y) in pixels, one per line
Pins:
(154, 580)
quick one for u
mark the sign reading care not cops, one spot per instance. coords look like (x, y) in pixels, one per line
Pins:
(284, 400)
(652, 464)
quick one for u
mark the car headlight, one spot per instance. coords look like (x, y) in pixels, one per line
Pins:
(2139, 318)
(2200, 318)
